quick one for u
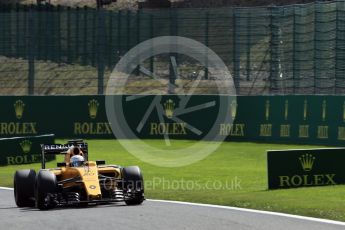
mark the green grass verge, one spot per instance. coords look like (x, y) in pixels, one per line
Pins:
(243, 162)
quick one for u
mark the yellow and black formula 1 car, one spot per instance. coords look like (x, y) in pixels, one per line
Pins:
(77, 181)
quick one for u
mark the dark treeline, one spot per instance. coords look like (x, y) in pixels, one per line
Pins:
(165, 3)
(238, 3)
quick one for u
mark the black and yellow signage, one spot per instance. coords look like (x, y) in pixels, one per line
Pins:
(16, 122)
(23, 150)
(89, 124)
(174, 116)
(305, 168)
(280, 119)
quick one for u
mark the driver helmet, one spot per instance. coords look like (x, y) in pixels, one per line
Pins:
(76, 161)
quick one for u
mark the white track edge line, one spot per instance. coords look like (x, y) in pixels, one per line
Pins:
(254, 211)
(6, 188)
(242, 210)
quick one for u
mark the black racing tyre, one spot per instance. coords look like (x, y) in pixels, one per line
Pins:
(24, 188)
(46, 188)
(133, 185)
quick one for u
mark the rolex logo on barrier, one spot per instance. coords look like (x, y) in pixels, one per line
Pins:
(305, 110)
(323, 173)
(93, 108)
(92, 128)
(267, 110)
(324, 108)
(169, 107)
(344, 111)
(19, 108)
(26, 146)
(307, 162)
(18, 128)
(286, 110)
(233, 109)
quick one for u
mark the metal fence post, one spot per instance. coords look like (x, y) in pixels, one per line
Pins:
(110, 46)
(9, 33)
(47, 34)
(119, 28)
(58, 30)
(2, 32)
(138, 39)
(5, 15)
(25, 30)
(236, 51)
(315, 48)
(39, 33)
(69, 60)
(206, 43)
(274, 46)
(17, 31)
(339, 52)
(173, 32)
(31, 52)
(85, 25)
(294, 66)
(128, 31)
(50, 27)
(151, 36)
(100, 50)
(94, 29)
(248, 47)
(337, 49)
(271, 49)
(77, 19)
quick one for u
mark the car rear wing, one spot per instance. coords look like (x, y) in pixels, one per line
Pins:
(56, 149)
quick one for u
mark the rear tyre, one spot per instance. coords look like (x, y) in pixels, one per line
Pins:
(133, 185)
(46, 190)
(24, 188)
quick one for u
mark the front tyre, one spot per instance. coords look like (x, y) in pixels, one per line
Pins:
(46, 189)
(24, 188)
(133, 185)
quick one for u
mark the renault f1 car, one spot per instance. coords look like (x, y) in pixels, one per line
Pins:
(77, 181)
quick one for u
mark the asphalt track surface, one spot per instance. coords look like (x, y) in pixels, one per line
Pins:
(152, 215)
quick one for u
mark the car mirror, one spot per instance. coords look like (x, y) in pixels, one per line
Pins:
(100, 162)
(61, 164)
